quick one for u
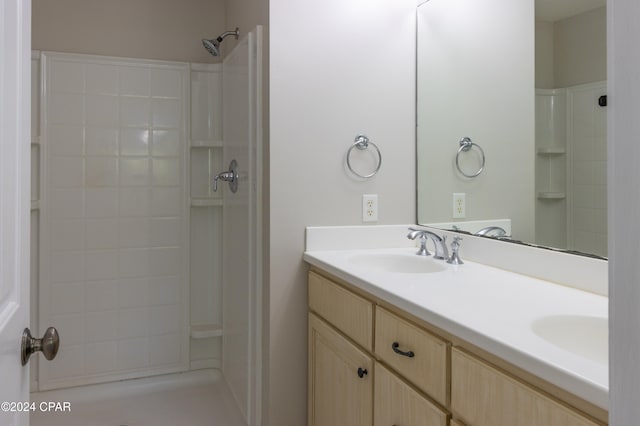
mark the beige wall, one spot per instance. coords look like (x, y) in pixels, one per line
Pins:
(338, 68)
(544, 55)
(580, 53)
(150, 29)
(571, 51)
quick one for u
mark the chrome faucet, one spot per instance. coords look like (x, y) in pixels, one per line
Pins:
(495, 230)
(439, 243)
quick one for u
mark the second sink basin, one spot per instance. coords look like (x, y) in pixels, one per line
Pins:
(400, 263)
(585, 336)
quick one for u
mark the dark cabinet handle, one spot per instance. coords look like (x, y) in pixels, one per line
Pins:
(395, 347)
(362, 372)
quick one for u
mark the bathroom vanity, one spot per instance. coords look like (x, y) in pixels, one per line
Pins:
(408, 341)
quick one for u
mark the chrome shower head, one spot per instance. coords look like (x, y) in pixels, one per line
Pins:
(213, 45)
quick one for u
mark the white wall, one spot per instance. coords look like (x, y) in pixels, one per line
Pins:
(338, 68)
(623, 59)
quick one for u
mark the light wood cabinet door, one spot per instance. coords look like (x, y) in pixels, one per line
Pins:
(455, 423)
(340, 379)
(396, 403)
(350, 313)
(484, 396)
(417, 355)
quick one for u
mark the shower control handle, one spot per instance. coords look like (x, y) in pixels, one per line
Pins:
(48, 345)
(230, 176)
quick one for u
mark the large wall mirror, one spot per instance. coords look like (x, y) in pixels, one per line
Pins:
(524, 84)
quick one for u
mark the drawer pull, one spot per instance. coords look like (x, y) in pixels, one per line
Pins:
(362, 372)
(395, 347)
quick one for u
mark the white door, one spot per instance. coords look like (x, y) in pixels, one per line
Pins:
(15, 81)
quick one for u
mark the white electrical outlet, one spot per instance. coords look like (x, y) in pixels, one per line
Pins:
(459, 205)
(370, 207)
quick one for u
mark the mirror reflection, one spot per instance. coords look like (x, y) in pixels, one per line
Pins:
(511, 116)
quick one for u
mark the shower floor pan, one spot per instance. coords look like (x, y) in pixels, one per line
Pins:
(196, 398)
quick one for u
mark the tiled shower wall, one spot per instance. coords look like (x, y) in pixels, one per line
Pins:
(114, 216)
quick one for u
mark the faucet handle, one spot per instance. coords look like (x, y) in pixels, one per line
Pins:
(455, 247)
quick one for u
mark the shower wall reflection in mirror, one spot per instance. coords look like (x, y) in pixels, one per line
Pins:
(526, 81)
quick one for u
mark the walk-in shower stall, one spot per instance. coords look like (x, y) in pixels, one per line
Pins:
(141, 266)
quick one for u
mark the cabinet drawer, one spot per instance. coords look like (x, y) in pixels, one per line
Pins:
(396, 403)
(427, 368)
(350, 313)
(484, 396)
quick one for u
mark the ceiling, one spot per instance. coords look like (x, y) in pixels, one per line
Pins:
(554, 10)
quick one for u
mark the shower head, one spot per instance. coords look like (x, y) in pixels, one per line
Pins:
(213, 45)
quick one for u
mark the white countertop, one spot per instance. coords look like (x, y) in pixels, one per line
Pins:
(488, 307)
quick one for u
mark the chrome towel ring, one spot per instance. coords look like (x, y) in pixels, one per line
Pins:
(465, 145)
(362, 142)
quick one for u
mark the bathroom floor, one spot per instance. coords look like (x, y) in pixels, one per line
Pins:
(198, 398)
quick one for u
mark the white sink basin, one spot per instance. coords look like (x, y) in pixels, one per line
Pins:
(400, 263)
(585, 336)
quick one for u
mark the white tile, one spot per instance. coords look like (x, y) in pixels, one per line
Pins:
(165, 172)
(67, 298)
(102, 110)
(67, 235)
(101, 79)
(166, 232)
(166, 113)
(101, 140)
(164, 350)
(71, 329)
(101, 357)
(166, 83)
(134, 202)
(166, 202)
(66, 172)
(133, 353)
(101, 234)
(164, 290)
(67, 76)
(65, 140)
(133, 323)
(101, 172)
(134, 81)
(134, 293)
(67, 266)
(69, 362)
(134, 141)
(165, 261)
(101, 326)
(135, 112)
(66, 109)
(134, 263)
(101, 265)
(101, 202)
(101, 295)
(166, 143)
(133, 232)
(134, 171)
(67, 203)
(165, 320)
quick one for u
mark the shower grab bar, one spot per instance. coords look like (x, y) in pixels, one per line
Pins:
(465, 145)
(362, 142)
